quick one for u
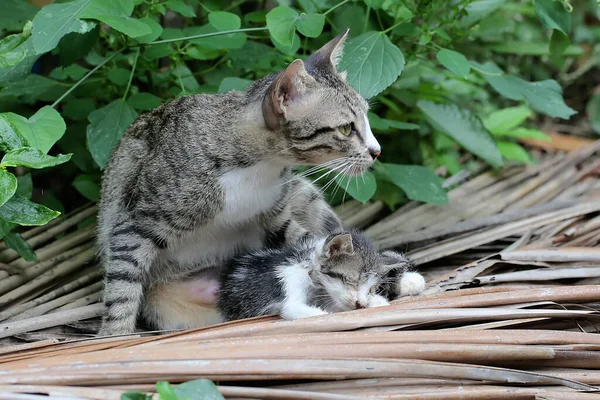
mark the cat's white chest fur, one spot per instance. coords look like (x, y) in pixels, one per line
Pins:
(249, 191)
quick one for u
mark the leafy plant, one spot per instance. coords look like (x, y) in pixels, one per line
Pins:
(76, 73)
(193, 390)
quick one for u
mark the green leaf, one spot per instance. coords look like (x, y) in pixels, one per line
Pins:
(106, 127)
(14, 14)
(418, 182)
(506, 119)
(221, 42)
(376, 4)
(42, 130)
(361, 188)
(311, 25)
(32, 88)
(373, 63)
(88, 185)
(54, 21)
(21, 211)
(158, 51)
(524, 133)
(382, 124)
(592, 109)
(513, 151)
(166, 391)
(477, 10)
(74, 72)
(224, 21)
(119, 76)
(32, 158)
(116, 14)
(180, 7)
(281, 22)
(8, 186)
(27, 58)
(198, 389)
(79, 109)
(552, 15)
(233, 83)
(11, 51)
(543, 96)
(135, 396)
(454, 61)
(18, 244)
(75, 46)
(559, 42)
(463, 127)
(144, 101)
(10, 138)
(289, 50)
(155, 30)
(24, 185)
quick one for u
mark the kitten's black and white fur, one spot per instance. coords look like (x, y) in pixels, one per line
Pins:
(207, 177)
(316, 276)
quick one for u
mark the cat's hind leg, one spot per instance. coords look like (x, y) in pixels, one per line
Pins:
(128, 254)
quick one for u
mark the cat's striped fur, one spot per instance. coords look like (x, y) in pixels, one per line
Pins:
(207, 177)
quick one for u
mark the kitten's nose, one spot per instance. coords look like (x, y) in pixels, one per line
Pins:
(358, 306)
(374, 153)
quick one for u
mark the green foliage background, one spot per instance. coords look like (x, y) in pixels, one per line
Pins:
(473, 77)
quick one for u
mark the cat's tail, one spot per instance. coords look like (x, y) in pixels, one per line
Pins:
(178, 306)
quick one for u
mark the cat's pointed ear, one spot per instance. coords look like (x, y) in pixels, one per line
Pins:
(328, 56)
(339, 245)
(287, 87)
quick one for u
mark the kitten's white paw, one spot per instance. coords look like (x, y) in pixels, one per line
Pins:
(411, 283)
(296, 311)
(378, 301)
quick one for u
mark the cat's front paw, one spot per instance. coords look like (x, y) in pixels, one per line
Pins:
(411, 284)
(378, 301)
(297, 311)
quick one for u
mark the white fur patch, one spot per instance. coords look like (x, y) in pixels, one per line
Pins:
(411, 283)
(371, 142)
(249, 191)
(296, 283)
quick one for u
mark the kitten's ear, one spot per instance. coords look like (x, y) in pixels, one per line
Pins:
(328, 56)
(287, 87)
(392, 260)
(339, 245)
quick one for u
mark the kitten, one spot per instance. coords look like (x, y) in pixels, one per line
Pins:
(207, 177)
(317, 276)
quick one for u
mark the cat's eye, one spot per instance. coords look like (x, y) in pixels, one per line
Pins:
(345, 130)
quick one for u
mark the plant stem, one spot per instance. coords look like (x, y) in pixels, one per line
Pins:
(394, 26)
(336, 6)
(137, 54)
(204, 35)
(367, 19)
(79, 82)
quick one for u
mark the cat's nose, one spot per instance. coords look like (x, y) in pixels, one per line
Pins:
(374, 153)
(358, 305)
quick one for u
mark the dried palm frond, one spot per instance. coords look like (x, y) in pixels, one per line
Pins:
(510, 309)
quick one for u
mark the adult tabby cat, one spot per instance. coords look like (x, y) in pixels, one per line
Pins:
(207, 177)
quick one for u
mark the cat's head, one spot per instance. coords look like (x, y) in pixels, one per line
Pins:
(318, 116)
(348, 271)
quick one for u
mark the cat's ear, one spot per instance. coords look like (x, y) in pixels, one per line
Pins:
(287, 87)
(390, 260)
(328, 56)
(339, 245)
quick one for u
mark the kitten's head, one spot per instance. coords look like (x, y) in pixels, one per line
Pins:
(348, 272)
(319, 116)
